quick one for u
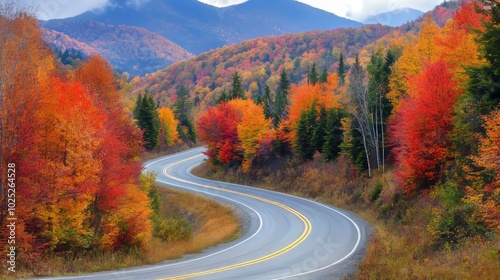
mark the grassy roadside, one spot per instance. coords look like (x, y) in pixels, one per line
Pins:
(210, 223)
(401, 246)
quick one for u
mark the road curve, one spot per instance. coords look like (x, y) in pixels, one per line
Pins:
(287, 237)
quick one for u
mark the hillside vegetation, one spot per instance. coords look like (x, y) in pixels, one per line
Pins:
(76, 193)
(260, 61)
(128, 48)
(410, 140)
(199, 27)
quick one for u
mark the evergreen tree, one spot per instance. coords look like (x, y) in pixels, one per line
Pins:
(333, 135)
(313, 76)
(355, 148)
(320, 130)
(148, 120)
(324, 76)
(237, 90)
(138, 103)
(305, 131)
(341, 70)
(183, 107)
(267, 103)
(282, 102)
(224, 97)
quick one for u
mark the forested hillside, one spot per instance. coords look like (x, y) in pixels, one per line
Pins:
(128, 48)
(260, 61)
(199, 27)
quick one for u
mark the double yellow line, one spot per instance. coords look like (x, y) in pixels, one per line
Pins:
(300, 239)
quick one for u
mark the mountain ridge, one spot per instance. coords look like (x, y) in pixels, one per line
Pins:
(394, 18)
(199, 27)
(128, 48)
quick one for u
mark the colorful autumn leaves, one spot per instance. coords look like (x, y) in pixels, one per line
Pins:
(77, 149)
(238, 132)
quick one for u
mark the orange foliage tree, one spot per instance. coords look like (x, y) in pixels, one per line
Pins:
(302, 98)
(485, 190)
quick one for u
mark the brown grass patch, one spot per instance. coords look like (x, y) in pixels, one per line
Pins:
(401, 246)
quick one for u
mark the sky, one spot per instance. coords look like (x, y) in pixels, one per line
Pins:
(352, 9)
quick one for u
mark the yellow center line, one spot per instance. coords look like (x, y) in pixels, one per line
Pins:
(300, 239)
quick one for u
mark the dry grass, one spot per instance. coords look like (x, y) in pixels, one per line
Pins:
(401, 247)
(212, 224)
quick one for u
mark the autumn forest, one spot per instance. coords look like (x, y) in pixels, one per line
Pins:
(406, 116)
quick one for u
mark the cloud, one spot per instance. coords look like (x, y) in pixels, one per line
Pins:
(136, 3)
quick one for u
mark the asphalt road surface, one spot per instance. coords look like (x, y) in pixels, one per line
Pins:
(286, 237)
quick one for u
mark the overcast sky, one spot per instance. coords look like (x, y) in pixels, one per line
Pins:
(353, 9)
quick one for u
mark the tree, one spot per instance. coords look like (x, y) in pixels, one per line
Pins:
(168, 128)
(253, 130)
(379, 71)
(137, 106)
(217, 129)
(359, 107)
(268, 103)
(306, 126)
(324, 76)
(224, 97)
(333, 135)
(313, 76)
(148, 120)
(485, 188)
(341, 71)
(421, 126)
(281, 101)
(183, 107)
(237, 90)
(320, 130)
(304, 96)
(413, 59)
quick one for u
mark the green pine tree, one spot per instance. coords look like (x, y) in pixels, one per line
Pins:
(268, 103)
(149, 120)
(138, 103)
(237, 90)
(224, 97)
(324, 76)
(333, 135)
(305, 131)
(313, 77)
(320, 130)
(183, 107)
(341, 71)
(281, 101)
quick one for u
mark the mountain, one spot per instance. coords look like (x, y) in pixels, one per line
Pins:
(259, 62)
(199, 27)
(132, 49)
(395, 18)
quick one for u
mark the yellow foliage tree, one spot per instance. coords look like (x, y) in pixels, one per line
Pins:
(253, 128)
(414, 58)
(168, 127)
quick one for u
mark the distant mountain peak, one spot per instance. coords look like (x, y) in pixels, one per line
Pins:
(394, 18)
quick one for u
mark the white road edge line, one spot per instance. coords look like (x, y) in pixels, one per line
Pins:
(154, 267)
(327, 207)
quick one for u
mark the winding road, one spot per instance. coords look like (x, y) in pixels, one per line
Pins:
(286, 237)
